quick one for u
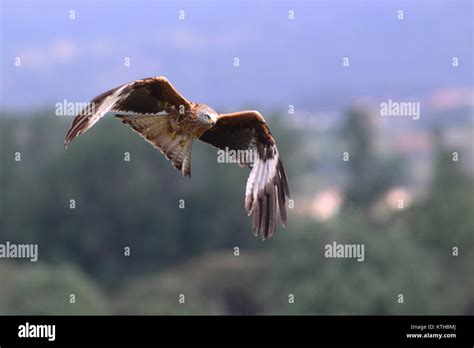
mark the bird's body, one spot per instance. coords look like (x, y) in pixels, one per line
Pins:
(188, 124)
(154, 109)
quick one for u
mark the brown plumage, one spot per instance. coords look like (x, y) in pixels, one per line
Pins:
(156, 111)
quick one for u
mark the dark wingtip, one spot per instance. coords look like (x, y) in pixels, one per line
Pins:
(67, 140)
(70, 137)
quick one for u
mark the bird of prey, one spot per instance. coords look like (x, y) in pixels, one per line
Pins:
(154, 109)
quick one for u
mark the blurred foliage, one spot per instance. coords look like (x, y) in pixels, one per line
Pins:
(42, 289)
(369, 173)
(212, 284)
(135, 204)
(444, 221)
(393, 265)
(118, 203)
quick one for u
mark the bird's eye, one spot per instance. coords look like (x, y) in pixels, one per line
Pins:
(208, 117)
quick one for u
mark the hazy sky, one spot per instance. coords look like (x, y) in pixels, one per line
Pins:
(282, 61)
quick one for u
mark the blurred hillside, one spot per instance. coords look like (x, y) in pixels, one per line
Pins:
(135, 204)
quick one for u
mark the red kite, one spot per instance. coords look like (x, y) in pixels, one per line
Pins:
(154, 109)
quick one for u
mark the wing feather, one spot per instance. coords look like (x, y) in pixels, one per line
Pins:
(267, 189)
(150, 96)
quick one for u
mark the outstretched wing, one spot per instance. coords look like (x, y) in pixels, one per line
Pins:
(150, 96)
(267, 185)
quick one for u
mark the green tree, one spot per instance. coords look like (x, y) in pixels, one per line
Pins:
(444, 221)
(118, 203)
(393, 265)
(215, 283)
(44, 289)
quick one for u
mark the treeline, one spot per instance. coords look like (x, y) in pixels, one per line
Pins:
(122, 231)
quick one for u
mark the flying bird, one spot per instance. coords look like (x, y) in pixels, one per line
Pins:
(154, 109)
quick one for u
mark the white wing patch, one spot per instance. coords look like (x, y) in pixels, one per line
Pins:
(261, 192)
(105, 107)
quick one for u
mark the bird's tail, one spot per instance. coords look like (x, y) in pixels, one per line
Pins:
(158, 132)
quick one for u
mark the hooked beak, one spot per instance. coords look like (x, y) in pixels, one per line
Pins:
(212, 121)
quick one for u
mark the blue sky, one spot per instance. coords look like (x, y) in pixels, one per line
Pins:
(282, 61)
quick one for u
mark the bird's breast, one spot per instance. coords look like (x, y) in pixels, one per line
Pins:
(187, 124)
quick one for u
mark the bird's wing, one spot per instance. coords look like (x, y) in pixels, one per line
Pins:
(150, 96)
(267, 185)
(157, 131)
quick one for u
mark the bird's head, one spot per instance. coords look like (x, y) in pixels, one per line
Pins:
(207, 116)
